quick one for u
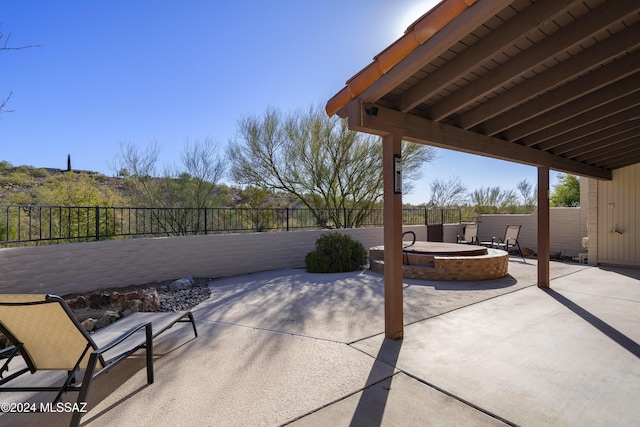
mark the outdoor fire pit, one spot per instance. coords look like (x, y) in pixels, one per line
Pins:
(446, 261)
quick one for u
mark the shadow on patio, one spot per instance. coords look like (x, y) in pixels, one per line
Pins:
(289, 348)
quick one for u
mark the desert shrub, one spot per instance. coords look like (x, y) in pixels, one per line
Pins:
(5, 166)
(14, 178)
(335, 253)
(39, 173)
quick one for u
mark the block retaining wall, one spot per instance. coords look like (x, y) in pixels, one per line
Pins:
(82, 267)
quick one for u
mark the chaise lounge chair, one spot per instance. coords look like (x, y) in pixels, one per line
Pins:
(470, 235)
(509, 242)
(45, 332)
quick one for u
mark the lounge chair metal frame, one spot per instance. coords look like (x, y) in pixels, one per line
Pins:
(121, 347)
(470, 236)
(509, 242)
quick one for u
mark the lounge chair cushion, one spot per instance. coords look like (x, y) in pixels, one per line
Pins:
(34, 325)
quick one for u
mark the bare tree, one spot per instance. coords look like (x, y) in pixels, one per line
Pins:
(5, 46)
(528, 195)
(188, 185)
(206, 166)
(134, 161)
(3, 104)
(316, 158)
(447, 193)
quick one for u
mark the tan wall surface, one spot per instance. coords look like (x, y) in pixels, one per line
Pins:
(80, 267)
(566, 230)
(592, 220)
(619, 218)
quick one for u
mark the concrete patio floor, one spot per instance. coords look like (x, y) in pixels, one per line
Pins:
(290, 348)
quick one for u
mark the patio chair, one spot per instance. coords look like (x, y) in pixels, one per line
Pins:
(509, 242)
(470, 236)
(48, 336)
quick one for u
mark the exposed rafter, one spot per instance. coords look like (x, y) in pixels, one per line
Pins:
(552, 83)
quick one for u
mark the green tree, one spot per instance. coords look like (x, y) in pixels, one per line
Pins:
(82, 193)
(566, 192)
(256, 208)
(71, 189)
(327, 167)
(493, 200)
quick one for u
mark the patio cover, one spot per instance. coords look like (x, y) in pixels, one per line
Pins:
(548, 83)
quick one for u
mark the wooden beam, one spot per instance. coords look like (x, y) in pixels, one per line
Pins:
(628, 161)
(574, 138)
(563, 39)
(566, 70)
(574, 109)
(393, 301)
(533, 17)
(423, 131)
(604, 76)
(593, 133)
(608, 147)
(625, 155)
(544, 251)
(575, 119)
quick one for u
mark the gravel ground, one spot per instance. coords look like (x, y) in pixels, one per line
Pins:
(184, 299)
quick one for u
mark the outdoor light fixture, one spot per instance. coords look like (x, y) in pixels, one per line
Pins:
(371, 111)
(397, 174)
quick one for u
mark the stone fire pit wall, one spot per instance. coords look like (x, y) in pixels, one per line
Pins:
(493, 265)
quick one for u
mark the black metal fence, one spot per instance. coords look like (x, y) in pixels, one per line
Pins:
(50, 224)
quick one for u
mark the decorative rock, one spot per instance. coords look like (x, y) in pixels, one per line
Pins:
(184, 299)
(105, 299)
(77, 303)
(131, 295)
(108, 318)
(89, 324)
(116, 299)
(182, 294)
(184, 283)
(151, 300)
(94, 301)
(132, 305)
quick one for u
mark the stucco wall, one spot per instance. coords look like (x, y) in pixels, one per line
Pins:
(566, 230)
(78, 267)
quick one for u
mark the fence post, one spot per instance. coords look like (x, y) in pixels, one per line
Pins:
(287, 219)
(97, 223)
(205, 220)
(344, 216)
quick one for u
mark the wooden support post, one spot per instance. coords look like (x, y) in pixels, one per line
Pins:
(543, 227)
(393, 316)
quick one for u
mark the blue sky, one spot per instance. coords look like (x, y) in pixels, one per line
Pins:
(120, 71)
